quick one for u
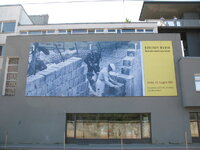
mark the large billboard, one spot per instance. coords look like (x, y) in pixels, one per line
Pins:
(102, 68)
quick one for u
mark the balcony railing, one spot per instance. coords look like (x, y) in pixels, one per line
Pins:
(180, 23)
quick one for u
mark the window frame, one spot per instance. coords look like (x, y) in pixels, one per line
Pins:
(2, 26)
(197, 79)
(6, 73)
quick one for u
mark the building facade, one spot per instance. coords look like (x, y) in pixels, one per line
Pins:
(96, 83)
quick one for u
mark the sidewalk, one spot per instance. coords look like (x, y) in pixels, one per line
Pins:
(106, 147)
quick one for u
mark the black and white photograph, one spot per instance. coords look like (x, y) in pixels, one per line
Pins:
(110, 68)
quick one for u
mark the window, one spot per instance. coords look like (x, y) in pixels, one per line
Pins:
(108, 126)
(91, 31)
(34, 32)
(7, 27)
(50, 31)
(1, 62)
(118, 31)
(111, 31)
(149, 30)
(1, 54)
(79, 31)
(99, 31)
(43, 32)
(140, 30)
(69, 31)
(1, 51)
(1, 23)
(11, 76)
(128, 30)
(62, 31)
(197, 81)
(23, 32)
(195, 124)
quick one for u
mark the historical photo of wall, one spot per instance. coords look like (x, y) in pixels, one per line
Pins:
(85, 69)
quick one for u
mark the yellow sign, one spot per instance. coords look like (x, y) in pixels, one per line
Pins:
(159, 72)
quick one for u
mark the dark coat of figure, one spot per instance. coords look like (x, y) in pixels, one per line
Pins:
(92, 60)
(36, 63)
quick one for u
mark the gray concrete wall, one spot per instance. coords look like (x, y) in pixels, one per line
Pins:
(188, 67)
(190, 16)
(193, 42)
(42, 119)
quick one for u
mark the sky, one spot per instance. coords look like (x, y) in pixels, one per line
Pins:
(79, 11)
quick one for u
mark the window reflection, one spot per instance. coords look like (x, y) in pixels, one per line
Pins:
(8, 27)
(194, 129)
(70, 129)
(194, 124)
(108, 126)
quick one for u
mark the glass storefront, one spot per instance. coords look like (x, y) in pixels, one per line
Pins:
(108, 126)
(194, 124)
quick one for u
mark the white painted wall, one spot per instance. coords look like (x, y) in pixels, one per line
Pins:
(90, 26)
(24, 18)
(8, 13)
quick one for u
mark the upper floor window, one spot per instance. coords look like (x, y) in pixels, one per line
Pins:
(197, 81)
(6, 27)
(1, 62)
(149, 30)
(23, 32)
(1, 50)
(111, 31)
(99, 31)
(62, 31)
(91, 31)
(140, 30)
(50, 31)
(79, 31)
(34, 32)
(128, 30)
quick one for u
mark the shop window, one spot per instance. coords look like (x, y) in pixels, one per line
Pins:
(197, 81)
(195, 124)
(108, 126)
(7, 27)
(11, 76)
